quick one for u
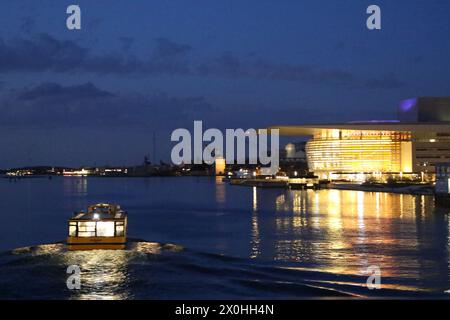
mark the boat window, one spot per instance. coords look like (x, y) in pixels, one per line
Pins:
(105, 229)
(86, 229)
(72, 230)
(119, 229)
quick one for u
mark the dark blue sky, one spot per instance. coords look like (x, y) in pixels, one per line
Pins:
(138, 68)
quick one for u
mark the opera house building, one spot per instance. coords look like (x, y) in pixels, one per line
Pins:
(409, 146)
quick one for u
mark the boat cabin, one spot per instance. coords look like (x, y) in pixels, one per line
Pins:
(103, 226)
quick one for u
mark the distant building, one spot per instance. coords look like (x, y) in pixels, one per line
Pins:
(78, 172)
(295, 151)
(219, 166)
(413, 144)
(293, 159)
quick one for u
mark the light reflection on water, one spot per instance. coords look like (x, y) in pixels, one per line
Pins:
(75, 186)
(40, 271)
(104, 273)
(154, 270)
(344, 232)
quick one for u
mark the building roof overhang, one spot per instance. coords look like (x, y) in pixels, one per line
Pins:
(312, 129)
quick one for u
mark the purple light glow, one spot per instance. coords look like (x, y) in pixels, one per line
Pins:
(406, 105)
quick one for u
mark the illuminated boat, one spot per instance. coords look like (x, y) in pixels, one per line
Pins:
(103, 226)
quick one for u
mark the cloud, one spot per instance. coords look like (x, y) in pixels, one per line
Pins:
(416, 59)
(168, 48)
(55, 105)
(387, 81)
(94, 24)
(169, 57)
(230, 65)
(27, 25)
(54, 91)
(126, 43)
(43, 52)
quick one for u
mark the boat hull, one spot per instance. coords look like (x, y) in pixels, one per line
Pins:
(94, 243)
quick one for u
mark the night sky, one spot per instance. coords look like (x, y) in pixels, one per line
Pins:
(140, 69)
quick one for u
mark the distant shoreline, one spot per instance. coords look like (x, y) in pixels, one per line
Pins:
(413, 189)
(49, 176)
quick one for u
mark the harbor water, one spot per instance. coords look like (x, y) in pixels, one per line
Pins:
(197, 237)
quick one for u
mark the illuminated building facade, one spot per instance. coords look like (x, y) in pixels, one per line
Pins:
(219, 166)
(412, 145)
(359, 151)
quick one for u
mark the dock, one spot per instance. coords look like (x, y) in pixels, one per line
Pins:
(288, 183)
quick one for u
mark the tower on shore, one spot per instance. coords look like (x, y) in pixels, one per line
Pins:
(219, 165)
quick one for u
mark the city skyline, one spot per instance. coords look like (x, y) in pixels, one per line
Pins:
(133, 74)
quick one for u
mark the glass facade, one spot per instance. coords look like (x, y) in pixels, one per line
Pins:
(357, 151)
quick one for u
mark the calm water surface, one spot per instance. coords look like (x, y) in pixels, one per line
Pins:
(206, 239)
